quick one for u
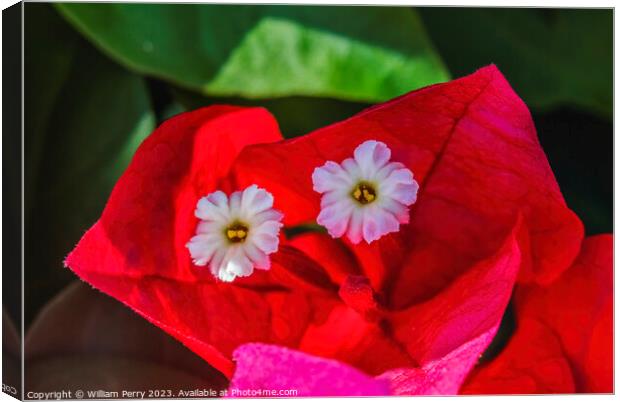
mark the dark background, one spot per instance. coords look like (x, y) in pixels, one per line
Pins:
(100, 77)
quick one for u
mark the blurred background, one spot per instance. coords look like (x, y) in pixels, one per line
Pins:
(100, 77)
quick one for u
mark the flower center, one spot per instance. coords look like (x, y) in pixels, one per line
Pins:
(237, 232)
(364, 193)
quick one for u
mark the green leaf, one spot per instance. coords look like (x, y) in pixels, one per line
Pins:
(354, 53)
(48, 61)
(84, 118)
(551, 56)
(579, 147)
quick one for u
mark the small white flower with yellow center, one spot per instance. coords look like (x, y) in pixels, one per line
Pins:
(235, 234)
(364, 197)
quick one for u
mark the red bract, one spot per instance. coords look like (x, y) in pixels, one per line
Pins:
(563, 342)
(277, 369)
(428, 298)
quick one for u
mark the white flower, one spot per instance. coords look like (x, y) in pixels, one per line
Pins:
(366, 196)
(236, 234)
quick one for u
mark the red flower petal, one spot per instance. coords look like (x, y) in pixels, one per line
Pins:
(554, 335)
(211, 319)
(268, 367)
(448, 333)
(472, 146)
(136, 252)
(335, 258)
(150, 214)
(532, 363)
(579, 309)
(439, 377)
(344, 334)
(295, 269)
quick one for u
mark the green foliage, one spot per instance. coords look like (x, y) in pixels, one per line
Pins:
(353, 53)
(84, 117)
(48, 61)
(551, 56)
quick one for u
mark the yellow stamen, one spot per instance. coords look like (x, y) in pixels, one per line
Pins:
(368, 196)
(364, 193)
(237, 232)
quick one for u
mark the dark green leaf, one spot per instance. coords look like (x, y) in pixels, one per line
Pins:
(355, 53)
(84, 117)
(48, 61)
(551, 57)
(580, 150)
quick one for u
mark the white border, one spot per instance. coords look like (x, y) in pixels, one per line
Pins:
(458, 3)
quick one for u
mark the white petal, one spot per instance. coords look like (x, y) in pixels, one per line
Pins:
(264, 216)
(255, 200)
(332, 197)
(378, 223)
(330, 176)
(268, 227)
(218, 198)
(338, 228)
(234, 204)
(404, 176)
(221, 270)
(335, 218)
(202, 247)
(400, 186)
(216, 261)
(266, 242)
(383, 173)
(371, 156)
(258, 257)
(355, 233)
(352, 168)
(335, 213)
(370, 226)
(212, 207)
(236, 263)
(226, 276)
(400, 211)
(405, 193)
(206, 227)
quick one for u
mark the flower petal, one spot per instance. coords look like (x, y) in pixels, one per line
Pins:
(337, 260)
(269, 367)
(371, 156)
(329, 177)
(564, 337)
(346, 335)
(256, 199)
(532, 363)
(578, 307)
(467, 312)
(442, 376)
